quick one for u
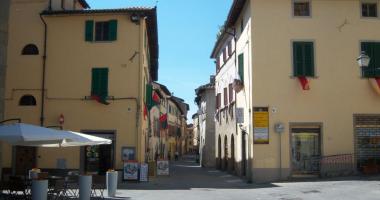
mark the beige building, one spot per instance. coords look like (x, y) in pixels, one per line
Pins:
(88, 67)
(309, 105)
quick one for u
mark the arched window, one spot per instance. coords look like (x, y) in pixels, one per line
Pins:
(27, 100)
(30, 49)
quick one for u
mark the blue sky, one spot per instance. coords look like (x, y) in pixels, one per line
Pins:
(187, 33)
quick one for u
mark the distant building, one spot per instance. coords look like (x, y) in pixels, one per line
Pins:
(206, 112)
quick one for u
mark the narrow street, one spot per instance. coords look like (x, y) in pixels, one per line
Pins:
(189, 181)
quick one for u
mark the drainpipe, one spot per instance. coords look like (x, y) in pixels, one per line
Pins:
(42, 115)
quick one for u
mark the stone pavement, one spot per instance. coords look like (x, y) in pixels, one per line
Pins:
(189, 181)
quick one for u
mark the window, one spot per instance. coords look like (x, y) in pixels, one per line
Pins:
(224, 56)
(369, 9)
(27, 100)
(100, 83)
(104, 31)
(231, 93)
(30, 49)
(303, 59)
(242, 25)
(225, 97)
(217, 64)
(229, 48)
(372, 49)
(218, 101)
(241, 66)
(301, 8)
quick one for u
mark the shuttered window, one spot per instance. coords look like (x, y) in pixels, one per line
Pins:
(372, 49)
(99, 82)
(231, 93)
(225, 97)
(303, 59)
(241, 66)
(218, 101)
(104, 31)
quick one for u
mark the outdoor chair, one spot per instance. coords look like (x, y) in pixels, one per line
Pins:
(98, 186)
(57, 189)
(72, 186)
(19, 188)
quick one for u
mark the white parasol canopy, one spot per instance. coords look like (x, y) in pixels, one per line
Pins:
(30, 135)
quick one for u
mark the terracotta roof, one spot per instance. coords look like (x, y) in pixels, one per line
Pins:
(84, 4)
(149, 13)
(233, 15)
(164, 88)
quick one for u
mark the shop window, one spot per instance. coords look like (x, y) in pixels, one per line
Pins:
(301, 8)
(369, 9)
(303, 59)
(27, 100)
(101, 31)
(372, 49)
(30, 49)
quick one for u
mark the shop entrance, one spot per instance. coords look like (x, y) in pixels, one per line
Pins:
(100, 158)
(367, 137)
(306, 150)
(25, 159)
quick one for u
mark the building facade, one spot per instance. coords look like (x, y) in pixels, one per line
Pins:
(300, 118)
(87, 67)
(206, 112)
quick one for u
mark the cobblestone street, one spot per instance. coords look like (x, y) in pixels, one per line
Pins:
(189, 181)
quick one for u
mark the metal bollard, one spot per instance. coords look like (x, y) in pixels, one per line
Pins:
(112, 177)
(85, 183)
(39, 189)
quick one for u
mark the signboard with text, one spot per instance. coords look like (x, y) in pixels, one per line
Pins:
(261, 126)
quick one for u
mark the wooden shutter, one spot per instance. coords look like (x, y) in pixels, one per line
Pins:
(89, 31)
(241, 66)
(303, 59)
(99, 82)
(225, 97)
(231, 93)
(148, 96)
(112, 30)
(372, 49)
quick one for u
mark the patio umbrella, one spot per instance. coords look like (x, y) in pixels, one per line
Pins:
(30, 135)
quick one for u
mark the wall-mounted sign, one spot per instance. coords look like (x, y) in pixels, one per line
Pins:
(128, 153)
(261, 125)
(239, 115)
(131, 171)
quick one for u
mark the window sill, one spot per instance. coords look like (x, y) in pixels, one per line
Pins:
(312, 77)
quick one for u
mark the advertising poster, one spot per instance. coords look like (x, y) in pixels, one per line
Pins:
(144, 172)
(131, 171)
(261, 126)
(128, 153)
(163, 167)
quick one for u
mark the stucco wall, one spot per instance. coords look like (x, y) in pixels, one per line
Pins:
(338, 91)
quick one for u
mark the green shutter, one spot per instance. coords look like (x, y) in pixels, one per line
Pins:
(372, 49)
(89, 34)
(100, 82)
(148, 96)
(112, 30)
(241, 66)
(303, 59)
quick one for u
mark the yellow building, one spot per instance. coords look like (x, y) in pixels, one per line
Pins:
(86, 67)
(301, 79)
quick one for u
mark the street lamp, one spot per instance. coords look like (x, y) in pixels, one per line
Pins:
(363, 59)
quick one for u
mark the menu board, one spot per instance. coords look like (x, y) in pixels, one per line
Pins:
(131, 170)
(163, 167)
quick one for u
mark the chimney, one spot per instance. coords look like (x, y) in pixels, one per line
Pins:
(212, 79)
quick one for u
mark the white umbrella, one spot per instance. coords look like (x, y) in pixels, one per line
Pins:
(30, 135)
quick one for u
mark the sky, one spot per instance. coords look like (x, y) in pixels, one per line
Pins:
(187, 33)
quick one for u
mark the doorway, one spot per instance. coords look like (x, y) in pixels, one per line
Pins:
(25, 159)
(243, 154)
(98, 159)
(306, 150)
(225, 164)
(232, 154)
(219, 153)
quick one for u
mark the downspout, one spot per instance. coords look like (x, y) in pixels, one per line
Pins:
(42, 115)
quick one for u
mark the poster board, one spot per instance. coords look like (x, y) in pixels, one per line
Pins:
(144, 172)
(261, 125)
(163, 168)
(128, 154)
(131, 171)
